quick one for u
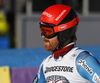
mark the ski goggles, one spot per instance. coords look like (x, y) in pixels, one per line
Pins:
(50, 30)
(47, 31)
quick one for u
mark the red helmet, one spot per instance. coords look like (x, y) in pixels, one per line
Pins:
(59, 20)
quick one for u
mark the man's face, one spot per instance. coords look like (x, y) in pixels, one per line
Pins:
(50, 44)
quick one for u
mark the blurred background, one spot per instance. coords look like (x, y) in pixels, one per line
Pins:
(21, 29)
(21, 44)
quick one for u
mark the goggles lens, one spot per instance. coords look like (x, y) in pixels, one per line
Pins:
(46, 31)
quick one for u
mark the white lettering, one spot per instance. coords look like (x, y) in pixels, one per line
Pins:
(62, 27)
(47, 14)
(85, 66)
(60, 15)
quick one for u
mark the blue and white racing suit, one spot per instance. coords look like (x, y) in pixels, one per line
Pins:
(77, 66)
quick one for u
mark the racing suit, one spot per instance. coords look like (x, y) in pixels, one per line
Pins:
(76, 66)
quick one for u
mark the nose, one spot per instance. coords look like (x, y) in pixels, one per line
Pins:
(43, 36)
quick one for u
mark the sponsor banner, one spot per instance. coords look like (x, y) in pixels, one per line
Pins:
(23, 75)
(5, 74)
(59, 69)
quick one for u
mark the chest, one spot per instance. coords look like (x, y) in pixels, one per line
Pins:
(59, 66)
(62, 70)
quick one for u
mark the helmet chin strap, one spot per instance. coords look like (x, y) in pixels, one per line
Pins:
(61, 43)
(59, 46)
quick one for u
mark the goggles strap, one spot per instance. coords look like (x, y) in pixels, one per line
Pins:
(66, 25)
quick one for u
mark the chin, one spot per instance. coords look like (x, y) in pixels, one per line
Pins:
(47, 48)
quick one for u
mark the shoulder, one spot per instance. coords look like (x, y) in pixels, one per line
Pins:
(82, 53)
(77, 52)
(44, 62)
(47, 59)
(87, 65)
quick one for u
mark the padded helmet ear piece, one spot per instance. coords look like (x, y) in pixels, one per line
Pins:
(64, 36)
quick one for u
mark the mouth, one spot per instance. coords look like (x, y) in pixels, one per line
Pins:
(46, 41)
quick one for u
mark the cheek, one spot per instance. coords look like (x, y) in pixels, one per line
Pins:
(54, 44)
